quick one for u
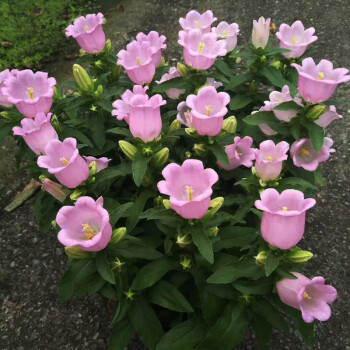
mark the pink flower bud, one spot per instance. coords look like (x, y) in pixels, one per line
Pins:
(88, 32)
(228, 33)
(56, 190)
(63, 160)
(4, 75)
(37, 132)
(261, 32)
(208, 110)
(184, 115)
(269, 159)
(102, 163)
(171, 93)
(32, 93)
(317, 83)
(295, 38)
(189, 187)
(86, 225)
(283, 220)
(156, 43)
(195, 20)
(311, 297)
(326, 118)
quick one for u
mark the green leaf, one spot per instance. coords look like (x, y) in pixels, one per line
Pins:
(263, 332)
(272, 263)
(71, 132)
(145, 322)
(166, 295)
(295, 182)
(261, 286)
(104, 268)
(273, 75)
(119, 131)
(97, 129)
(238, 80)
(121, 334)
(158, 213)
(112, 173)
(219, 153)
(239, 101)
(177, 83)
(273, 50)
(235, 236)
(316, 134)
(222, 66)
(5, 130)
(184, 336)
(151, 273)
(260, 118)
(139, 167)
(228, 331)
(202, 242)
(119, 212)
(105, 105)
(136, 249)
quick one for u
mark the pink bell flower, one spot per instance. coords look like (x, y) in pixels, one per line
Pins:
(239, 153)
(208, 110)
(195, 20)
(37, 132)
(138, 62)
(283, 220)
(4, 75)
(311, 297)
(156, 43)
(88, 32)
(276, 98)
(56, 190)
(201, 50)
(269, 159)
(228, 33)
(171, 93)
(185, 116)
(267, 130)
(326, 118)
(189, 187)
(102, 163)
(123, 106)
(305, 156)
(62, 159)
(295, 38)
(31, 92)
(261, 32)
(86, 225)
(213, 82)
(317, 83)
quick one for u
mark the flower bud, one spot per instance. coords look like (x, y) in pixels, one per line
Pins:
(128, 149)
(147, 151)
(56, 95)
(299, 256)
(277, 64)
(93, 169)
(190, 131)
(158, 201)
(199, 149)
(183, 240)
(162, 63)
(99, 64)
(188, 154)
(260, 259)
(167, 204)
(55, 123)
(117, 235)
(98, 93)
(175, 125)
(77, 194)
(160, 158)
(129, 295)
(116, 70)
(315, 112)
(5, 114)
(76, 253)
(182, 69)
(263, 59)
(230, 124)
(213, 231)
(108, 46)
(215, 205)
(56, 190)
(82, 78)
(185, 262)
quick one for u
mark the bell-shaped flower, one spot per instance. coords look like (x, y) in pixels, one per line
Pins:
(305, 156)
(195, 20)
(208, 108)
(31, 92)
(138, 62)
(295, 38)
(172, 93)
(276, 98)
(317, 83)
(326, 118)
(4, 75)
(184, 116)
(201, 50)
(189, 187)
(228, 33)
(213, 82)
(37, 132)
(88, 32)
(122, 107)
(86, 225)
(156, 42)
(62, 159)
(283, 220)
(311, 297)
(261, 32)
(269, 159)
(239, 153)
(102, 163)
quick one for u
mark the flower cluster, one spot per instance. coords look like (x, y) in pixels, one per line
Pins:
(201, 207)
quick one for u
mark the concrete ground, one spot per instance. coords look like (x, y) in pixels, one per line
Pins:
(32, 262)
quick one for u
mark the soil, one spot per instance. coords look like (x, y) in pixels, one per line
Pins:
(32, 262)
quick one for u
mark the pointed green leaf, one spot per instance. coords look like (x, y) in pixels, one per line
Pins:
(104, 268)
(202, 242)
(139, 167)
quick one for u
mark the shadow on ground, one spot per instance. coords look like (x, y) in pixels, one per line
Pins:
(32, 262)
